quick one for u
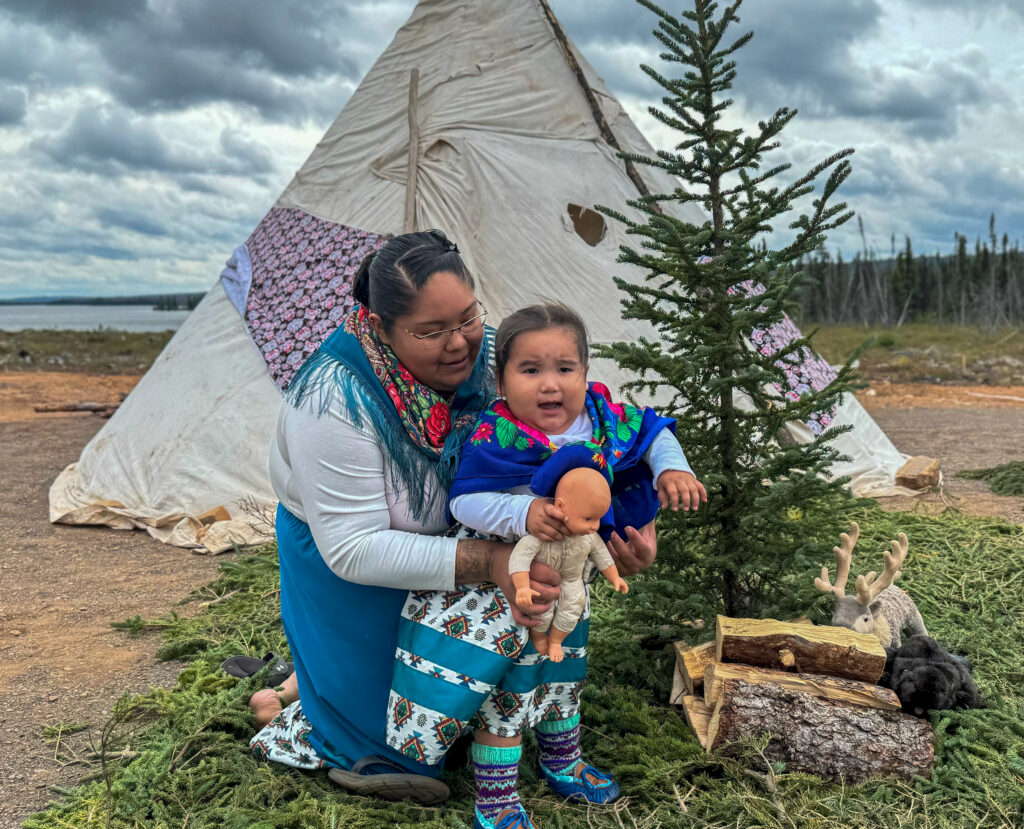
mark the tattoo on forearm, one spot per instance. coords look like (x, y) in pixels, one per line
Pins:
(472, 561)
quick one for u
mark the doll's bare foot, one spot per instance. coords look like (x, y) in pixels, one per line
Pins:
(540, 641)
(555, 652)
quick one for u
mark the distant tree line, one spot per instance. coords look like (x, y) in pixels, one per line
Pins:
(177, 302)
(979, 284)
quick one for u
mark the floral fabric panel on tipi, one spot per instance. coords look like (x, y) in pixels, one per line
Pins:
(812, 372)
(301, 290)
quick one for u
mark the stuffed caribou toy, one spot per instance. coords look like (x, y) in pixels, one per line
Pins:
(878, 607)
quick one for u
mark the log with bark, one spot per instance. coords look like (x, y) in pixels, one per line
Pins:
(814, 649)
(821, 736)
(848, 691)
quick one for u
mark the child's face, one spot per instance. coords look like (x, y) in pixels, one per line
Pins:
(545, 383)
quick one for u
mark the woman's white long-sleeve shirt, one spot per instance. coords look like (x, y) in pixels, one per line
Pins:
(336, 477)
(504, 513)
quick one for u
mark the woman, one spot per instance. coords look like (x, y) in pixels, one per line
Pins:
(361, 461)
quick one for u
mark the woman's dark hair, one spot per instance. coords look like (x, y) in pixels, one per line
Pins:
(537, 318)
(389, 280)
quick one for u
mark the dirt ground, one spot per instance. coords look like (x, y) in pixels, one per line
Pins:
(60, 661)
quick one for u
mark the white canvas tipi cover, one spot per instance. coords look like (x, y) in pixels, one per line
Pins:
(508, 143)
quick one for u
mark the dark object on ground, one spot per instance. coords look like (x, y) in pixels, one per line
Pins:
(1005, 479)
(374, 776)
(926, 677)
(246, 666)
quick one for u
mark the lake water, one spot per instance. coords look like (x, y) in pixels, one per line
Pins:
(89, 317)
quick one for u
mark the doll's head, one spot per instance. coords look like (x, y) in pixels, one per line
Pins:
(540, 359)
(583, 496)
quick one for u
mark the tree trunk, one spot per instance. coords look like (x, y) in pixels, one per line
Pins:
(823, 737)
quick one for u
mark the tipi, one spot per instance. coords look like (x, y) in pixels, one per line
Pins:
(513, 140)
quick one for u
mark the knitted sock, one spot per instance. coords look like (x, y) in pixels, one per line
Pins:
(496, 770)
(559, 743)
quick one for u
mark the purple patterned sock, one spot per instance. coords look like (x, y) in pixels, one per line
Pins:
(496, 771)
(559, 743)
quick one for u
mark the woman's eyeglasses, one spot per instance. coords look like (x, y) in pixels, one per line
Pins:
(467, 329)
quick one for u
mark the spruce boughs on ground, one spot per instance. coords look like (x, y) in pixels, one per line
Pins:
(708, 288)
(1005, 479)
(177, 758)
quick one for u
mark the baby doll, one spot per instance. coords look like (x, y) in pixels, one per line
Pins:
(583, 497)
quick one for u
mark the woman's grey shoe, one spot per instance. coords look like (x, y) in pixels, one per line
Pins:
(374, 776)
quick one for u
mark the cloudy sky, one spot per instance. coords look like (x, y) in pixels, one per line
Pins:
(141, 140)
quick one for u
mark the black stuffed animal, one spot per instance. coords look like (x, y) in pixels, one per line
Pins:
(927, 677)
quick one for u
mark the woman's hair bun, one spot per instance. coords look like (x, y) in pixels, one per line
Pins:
(361, 281)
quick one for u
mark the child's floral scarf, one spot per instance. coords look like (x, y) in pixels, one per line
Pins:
(503, 453)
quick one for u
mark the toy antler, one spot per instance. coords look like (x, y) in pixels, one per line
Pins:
(869, 586)
(843, 555)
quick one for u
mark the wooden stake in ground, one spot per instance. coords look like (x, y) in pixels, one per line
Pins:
(812, 649)
(823, 737)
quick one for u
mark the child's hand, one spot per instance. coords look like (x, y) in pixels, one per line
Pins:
(524, 596)
(680, 489)
(546, 521)
(620, 585)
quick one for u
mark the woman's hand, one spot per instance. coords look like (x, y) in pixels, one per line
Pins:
(635, 554)
(546, 521)
(543, 581)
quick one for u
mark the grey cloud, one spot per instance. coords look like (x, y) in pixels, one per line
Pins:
(258, 52)
(107, 139)
(606, 21)
(973, 7)
(12, 105)
(112, 140)
(131, 220)
(77, 14)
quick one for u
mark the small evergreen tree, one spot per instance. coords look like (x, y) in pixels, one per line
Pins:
(741, 553)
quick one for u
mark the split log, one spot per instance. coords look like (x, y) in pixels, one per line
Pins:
(823, 737)
(690, 665)
(811, 649)
(698, 715)
(848, 691)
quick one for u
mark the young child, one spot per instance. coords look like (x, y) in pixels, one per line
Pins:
(546, 421)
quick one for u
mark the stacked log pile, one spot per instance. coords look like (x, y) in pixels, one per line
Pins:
(812, 688)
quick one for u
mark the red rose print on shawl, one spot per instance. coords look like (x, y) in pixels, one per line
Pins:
(438, 424)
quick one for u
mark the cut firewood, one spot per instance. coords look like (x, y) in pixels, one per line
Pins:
(698, 715)
(810, 649)
(690, 665)
(821, 736)
(849, 691)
